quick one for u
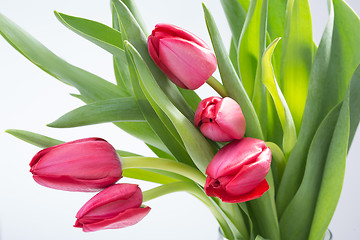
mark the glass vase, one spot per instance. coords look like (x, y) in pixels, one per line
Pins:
(328, 235)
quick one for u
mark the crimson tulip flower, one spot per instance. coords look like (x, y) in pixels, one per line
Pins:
(185, 59)
(238, 170)
(117, 206)
(85, 165)
(220, 119)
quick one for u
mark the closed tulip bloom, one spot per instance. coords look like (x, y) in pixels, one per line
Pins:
(237, 172)
(84, 165)
(117, 206)
(185, 59)
(220, 119)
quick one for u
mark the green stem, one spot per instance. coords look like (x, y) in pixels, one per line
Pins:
(166, 165)
(195, 190)
(217, 86)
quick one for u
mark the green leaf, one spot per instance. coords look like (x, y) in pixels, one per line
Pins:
(190, 97)
(245, 4)
(157, 119)
(113, 110)
(335, 61)
(296, 58)
(275, 27)
(98, 33)
(252, 43)
(231, 80)
(34, 138)
(334, 169)
(235, 14)
(46, 142)
(301, 208)
(263, 213)
(195, 143)
(160, 153)
(130, 4)
(258, 237)
(354, 104)
(105, 37)
(233, 56)
(90, 86)
(287, 123)
(132, 32)
(259, 97)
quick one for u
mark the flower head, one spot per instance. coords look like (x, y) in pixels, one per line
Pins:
(237, 172)
(185, 59)
(117, 206)
(85, 165)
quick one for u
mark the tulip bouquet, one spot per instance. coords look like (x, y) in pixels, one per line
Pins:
(266, 156)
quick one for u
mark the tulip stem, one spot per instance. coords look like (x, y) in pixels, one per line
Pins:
(217, 86)
(166, 165)
(195, 190)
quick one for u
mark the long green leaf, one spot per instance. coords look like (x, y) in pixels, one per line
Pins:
(275, 27)
(235, 14)
(334, 169)
(289, 138)
(335, 61)
(98, 33)
(195, 143)
(34, 138)
(130, 4)
(301, 208)
(132, 32)
(113, 110)
(163, 127)
(259, 97)
(105, 37)
(231, 80)
(354, 104)
(89, 85)
(251, 43)
(296, 58)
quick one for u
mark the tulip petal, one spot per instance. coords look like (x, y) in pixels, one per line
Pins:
(213, 131)
(179, 32)
(125, 219)
(153, 51)
(256, 193)
(111, 194)
(202, 106)
(233, 156)
(189, 62)
(230, 118)
(82, 159)
(250, 175)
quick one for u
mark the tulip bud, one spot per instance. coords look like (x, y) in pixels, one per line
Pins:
(84, 165)
(117, 206)
(185, 59)
(237, 172)
(220, 119)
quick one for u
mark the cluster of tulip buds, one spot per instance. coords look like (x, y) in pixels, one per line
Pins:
(236, 173)
(89, 165)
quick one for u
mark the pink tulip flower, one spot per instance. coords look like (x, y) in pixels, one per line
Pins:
(185, 59)
(117, 206)
(84, 165)
(220, 119)
(237, 172)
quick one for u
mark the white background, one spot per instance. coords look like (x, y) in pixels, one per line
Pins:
(29, 99)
